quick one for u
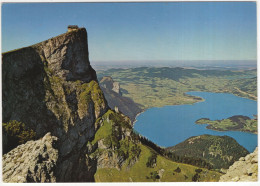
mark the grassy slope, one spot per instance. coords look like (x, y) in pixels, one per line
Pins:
(139, 171)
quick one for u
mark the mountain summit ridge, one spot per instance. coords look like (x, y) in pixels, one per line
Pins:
(51, 87)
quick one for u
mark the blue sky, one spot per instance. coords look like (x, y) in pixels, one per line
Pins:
(140, 31)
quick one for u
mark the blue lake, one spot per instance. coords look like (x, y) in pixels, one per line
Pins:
(170, 125)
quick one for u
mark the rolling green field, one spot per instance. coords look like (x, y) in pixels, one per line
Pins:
(157, 87)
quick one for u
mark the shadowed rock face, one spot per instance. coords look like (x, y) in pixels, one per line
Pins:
(67, 56)
(51, 87)
(28, 72)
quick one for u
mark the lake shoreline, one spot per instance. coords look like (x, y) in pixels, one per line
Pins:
(220, 130)
(174, 132)
(135, 120)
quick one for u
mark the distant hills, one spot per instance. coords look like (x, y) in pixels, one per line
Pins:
(195, 64)
(157, 87)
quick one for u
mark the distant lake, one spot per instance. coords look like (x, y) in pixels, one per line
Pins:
(170, 125)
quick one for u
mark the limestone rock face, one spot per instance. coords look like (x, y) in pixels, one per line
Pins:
(110, 84)
(67, 56)
(51, 87)
(29, 73)
(111, 90)
(246, 169)
(34, 161)
(109, 159)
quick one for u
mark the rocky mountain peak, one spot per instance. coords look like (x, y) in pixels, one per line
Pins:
(51, 87)
(66, 56)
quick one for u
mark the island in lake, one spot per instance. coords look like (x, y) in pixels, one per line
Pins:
(234, 123)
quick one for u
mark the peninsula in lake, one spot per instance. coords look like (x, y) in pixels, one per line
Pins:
(239, 123)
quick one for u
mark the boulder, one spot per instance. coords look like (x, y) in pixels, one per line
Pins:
(245, 169)
(34, 161)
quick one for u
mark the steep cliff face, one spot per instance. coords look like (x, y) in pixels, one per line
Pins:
(113, 95)
(51, 87)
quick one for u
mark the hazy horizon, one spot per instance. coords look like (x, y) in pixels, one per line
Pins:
(201, 64)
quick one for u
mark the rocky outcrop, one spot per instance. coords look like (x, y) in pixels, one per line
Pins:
(246, 169)
(109, 159)
(108, 83)
(51, 87)
(34, 161)
(111, 90)
(115, 143)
